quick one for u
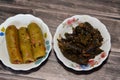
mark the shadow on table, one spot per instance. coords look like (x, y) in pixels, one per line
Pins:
(82, 72)
(25, 72)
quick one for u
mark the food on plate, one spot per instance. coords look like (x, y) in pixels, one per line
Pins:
(37, 40)
(13, 44)
(82, 44)
(25, 45)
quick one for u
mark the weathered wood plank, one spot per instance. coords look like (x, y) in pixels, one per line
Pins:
(15, 9)
(53, 12)
(73, 8)
(16, 77)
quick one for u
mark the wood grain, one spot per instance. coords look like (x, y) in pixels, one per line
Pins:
(53, 12)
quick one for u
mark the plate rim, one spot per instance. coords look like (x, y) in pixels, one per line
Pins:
(50, 42)
(54, 45)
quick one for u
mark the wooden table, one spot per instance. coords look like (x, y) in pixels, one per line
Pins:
(53, 12)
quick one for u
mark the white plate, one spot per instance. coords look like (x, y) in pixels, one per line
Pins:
(23, 20)
(66, 26)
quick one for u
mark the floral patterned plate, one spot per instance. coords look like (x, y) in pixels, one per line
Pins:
(67, 25)
(23, 20)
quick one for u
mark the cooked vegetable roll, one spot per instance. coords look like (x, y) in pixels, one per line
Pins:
(25, 45)
(12, 43)
(37, 40)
